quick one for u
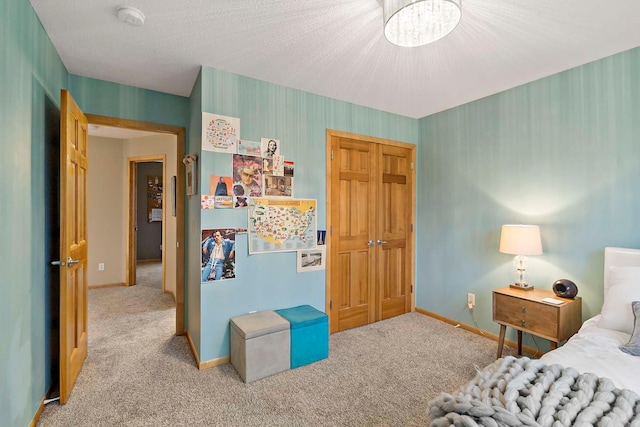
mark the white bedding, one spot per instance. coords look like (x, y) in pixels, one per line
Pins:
(594, 349)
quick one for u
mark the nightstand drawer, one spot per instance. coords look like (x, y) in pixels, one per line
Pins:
(538, 318)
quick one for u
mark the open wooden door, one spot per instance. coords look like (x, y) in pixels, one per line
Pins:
(73, 243)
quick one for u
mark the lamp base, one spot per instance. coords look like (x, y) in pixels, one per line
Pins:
(525, 287)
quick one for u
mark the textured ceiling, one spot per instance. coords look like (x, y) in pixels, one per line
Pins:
(336, 48)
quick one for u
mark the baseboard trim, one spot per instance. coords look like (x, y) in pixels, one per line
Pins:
(107, 285)
(193, 349)
(214, 362)
(38, 413)
(209, 363)
(170, 292)
(528, 351)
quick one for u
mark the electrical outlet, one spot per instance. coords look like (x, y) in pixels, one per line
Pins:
(471, 300)
(101, 266)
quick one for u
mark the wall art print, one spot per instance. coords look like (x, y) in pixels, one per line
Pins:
(220, 133)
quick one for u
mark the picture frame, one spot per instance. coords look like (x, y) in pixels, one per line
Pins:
(173, 195)
(311, 259)
(191, 174)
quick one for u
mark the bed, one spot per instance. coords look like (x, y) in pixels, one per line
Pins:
(593, 379)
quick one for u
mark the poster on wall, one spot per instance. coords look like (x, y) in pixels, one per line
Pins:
(281, 225)
(240, 202)
(288, 168)
(311, 259)
(220, 185)
(216, 202)
(249, 148)
(270, 147)
(218, 248)
(220, 133)
(278, 186)
(247, 176)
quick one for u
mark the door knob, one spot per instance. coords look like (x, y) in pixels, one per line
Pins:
(371, 243)
(382, 242)
(72, 261)
(60, 263)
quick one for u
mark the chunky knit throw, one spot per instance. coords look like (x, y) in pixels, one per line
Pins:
(527, 392)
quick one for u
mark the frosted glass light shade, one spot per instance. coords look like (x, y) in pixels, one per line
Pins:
(520, 240)
(411, 23)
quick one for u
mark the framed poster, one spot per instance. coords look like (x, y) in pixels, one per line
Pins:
(191, 174)
(311, 259)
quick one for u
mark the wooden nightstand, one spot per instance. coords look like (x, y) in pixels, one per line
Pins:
(526, 312)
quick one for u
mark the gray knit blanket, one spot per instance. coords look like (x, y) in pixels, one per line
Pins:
(528, 392)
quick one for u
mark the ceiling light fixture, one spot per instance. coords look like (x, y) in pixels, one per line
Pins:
(130, 15)
(411, 23)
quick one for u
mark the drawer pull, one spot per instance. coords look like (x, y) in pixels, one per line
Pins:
(523, 322)
(523, 309)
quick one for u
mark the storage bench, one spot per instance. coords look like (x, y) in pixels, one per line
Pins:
(259, 345)
(309, 334)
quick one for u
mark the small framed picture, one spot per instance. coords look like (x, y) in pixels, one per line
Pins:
(173, 195)
(312, 259)
(191, 174)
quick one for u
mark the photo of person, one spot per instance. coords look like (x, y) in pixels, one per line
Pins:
(247, 176)
(270, 147)
(219, 185)
(218, 254)
(241, 202)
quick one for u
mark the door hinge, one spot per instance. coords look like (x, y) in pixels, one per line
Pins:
(411, 289)
(412, 228)
(411, 165)
(330, 305)
(331, 230)
(331, 154)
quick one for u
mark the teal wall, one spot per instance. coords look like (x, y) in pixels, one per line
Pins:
(299, 120)
(30, 73)
(562, 152)
(30, 70)
(128, 102)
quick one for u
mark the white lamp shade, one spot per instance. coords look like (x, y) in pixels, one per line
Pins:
(412, 23)
(520, 240)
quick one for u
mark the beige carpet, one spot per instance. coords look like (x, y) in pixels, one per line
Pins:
(138, 373)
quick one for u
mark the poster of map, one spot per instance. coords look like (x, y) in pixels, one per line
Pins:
(281, 225)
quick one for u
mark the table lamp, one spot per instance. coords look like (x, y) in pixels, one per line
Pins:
(520, 240)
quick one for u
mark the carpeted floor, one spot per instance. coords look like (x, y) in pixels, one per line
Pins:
(138, 373)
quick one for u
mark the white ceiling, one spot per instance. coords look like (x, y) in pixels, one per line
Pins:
(336, 48)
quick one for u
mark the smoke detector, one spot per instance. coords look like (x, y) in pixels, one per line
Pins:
(130, 15)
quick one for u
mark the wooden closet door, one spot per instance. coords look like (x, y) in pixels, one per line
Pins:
(353, 212)
(370, 242)
(394, 253)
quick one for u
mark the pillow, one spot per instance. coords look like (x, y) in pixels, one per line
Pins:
(624, 288)
(633, 346)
